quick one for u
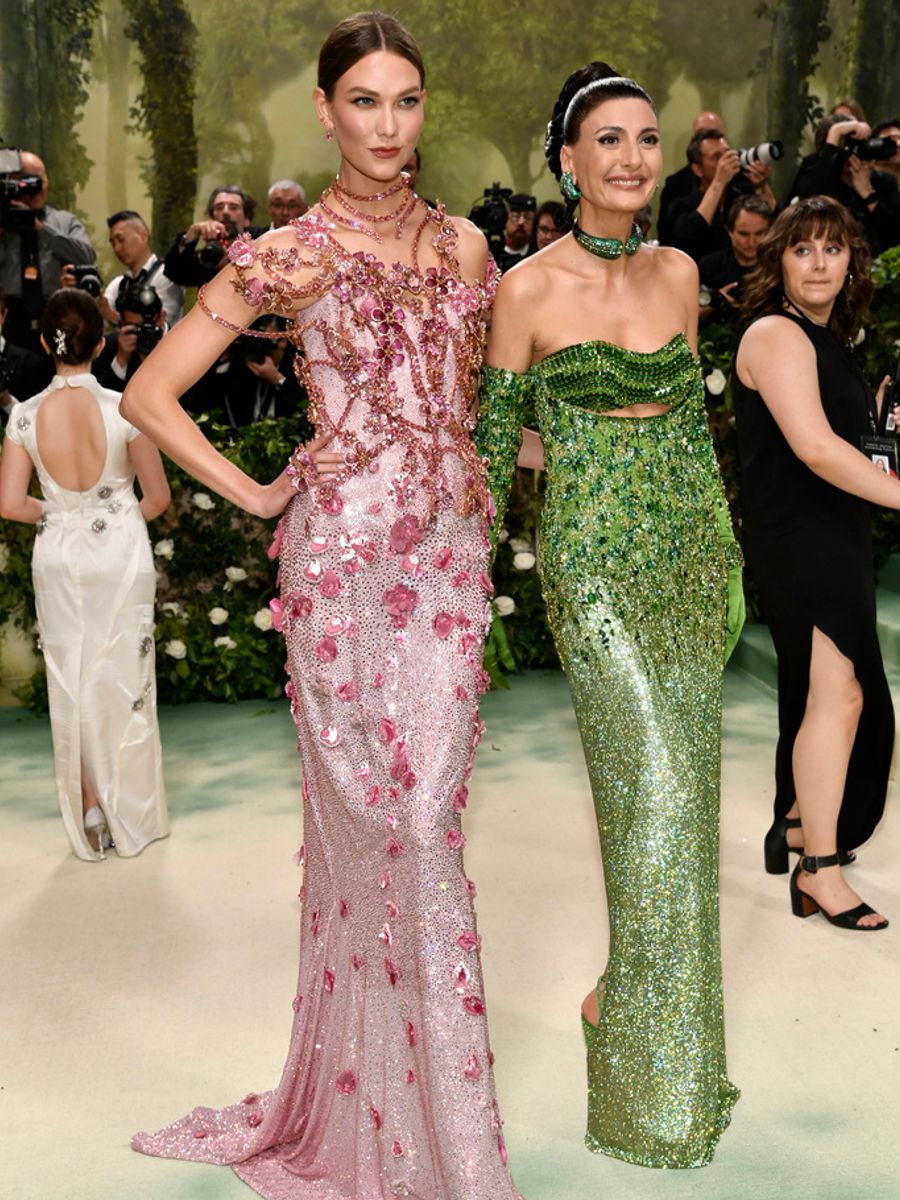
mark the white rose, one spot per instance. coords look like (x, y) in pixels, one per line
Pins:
(524, 560)
(4, 556)
(225, 643)
(715, 382)
(203, 500)
(235, 574)
(519, 545)
(503, 535)
(505, 605)
(164, 548)
(175, 648)
(262, 619)
(173, 607)
(860, 337)
(218, 616)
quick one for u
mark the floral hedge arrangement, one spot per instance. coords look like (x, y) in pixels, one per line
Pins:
(214, 636)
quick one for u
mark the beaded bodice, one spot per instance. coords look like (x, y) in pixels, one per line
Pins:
(390, 357)
(601, 376)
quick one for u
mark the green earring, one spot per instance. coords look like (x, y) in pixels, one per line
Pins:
(569, 187)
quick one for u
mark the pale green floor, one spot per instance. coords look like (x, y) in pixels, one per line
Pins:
(132, 990)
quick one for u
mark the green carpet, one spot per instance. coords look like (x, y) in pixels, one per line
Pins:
(132, 990)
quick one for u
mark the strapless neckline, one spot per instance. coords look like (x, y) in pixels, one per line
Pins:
(677, 338)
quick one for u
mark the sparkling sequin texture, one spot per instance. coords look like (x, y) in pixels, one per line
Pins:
(379, 1096)
(634, 577)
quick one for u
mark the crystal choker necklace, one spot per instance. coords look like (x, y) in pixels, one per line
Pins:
(608, 247)
(363, 222)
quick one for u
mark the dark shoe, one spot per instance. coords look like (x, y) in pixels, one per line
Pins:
(803, 905)
(776, 848)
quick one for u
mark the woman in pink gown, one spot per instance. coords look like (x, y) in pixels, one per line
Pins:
(388, 1087)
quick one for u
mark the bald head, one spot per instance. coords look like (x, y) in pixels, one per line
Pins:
(32, 165)
(707, 120)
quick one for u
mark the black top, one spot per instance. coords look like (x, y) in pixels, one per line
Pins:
(808, 545)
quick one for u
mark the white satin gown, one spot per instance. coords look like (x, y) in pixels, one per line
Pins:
(95, 585)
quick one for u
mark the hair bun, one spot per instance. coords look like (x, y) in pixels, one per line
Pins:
(553, 141)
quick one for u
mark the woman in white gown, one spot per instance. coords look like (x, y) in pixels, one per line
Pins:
(94, 584)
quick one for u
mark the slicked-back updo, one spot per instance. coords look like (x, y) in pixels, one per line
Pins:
(582, 92)
(361, 34)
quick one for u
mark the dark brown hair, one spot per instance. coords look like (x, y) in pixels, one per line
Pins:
(695, 145)
(247, 202)
(814, 217)
(72, 320)
(750, 203)
(361, 34)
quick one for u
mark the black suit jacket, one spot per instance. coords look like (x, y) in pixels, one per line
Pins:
(29, 374)
(184, 267)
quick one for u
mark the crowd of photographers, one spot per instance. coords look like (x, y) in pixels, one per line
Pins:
(716, 208)
(43, 248)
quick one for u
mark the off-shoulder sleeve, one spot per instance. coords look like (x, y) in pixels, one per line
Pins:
(277, 277)
(503, 398)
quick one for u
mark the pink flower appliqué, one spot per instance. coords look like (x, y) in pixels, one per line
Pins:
(406, 533)
(474, 1005)
(242, 252)
(456, 839)
(347, 691)
(468, 941)
(393, 971)
(443, 625)
(472, 1069)
(410, 1033)
(277, 614)
(460, 798)
(327, 650)
(330, 587)
(346, 1083)
(387, 731)
(443, 558)
(400, 601)
(275, 549)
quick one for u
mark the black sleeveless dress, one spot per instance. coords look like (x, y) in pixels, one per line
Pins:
(809, 547)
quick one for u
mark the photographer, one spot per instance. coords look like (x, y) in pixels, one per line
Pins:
(682, 182)
(722, 273)
(254, 380)
(229, 211)
(142, 324)
(520, 219)
(697, 221)
(129, 238)
(22, 373)
(549, 225)
(36, 242)
(846, 165)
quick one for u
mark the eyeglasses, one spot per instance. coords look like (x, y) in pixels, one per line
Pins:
(521, 216)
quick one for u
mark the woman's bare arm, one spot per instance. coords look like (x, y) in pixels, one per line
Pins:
(151, 475)
(16, 469)
(778, 360)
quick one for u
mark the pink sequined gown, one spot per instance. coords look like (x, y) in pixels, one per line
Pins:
(388, 1089)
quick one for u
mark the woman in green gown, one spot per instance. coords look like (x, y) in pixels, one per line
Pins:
(598, 333)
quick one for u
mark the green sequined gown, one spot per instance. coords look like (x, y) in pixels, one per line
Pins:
(634, 578)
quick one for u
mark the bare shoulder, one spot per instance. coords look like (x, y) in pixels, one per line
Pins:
(776, 333)
(471, 248)
(529, 278)
(676, 266)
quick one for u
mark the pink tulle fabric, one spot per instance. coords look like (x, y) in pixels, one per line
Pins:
(388, 1087)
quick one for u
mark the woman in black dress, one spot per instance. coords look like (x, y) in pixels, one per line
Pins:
(802, 407)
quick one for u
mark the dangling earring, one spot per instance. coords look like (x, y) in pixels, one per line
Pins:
(569, 187)
(329, 135)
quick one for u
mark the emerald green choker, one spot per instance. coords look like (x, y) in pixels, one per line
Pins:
(608, 247)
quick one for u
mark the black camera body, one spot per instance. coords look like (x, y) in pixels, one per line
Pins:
(88, 279)
(213, 253)
(143, 299)
(490, 213)
(12, 218)
(873, 149)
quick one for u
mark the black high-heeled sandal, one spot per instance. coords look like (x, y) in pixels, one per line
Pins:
(776, 848)
(803, 905)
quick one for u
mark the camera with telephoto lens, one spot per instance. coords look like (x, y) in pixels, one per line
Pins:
(765, 153)
(14, 219)
(88, 279)
(143, 300)
(490, 213)
(873, 149)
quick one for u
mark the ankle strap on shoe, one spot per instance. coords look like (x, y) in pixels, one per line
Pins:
(813, 863)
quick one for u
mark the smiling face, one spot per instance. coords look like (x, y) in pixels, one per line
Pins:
(616, 159)
(814, 271)
(376, 112)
